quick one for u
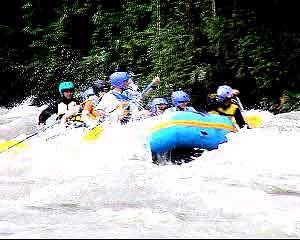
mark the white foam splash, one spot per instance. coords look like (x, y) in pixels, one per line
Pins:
(248, 187)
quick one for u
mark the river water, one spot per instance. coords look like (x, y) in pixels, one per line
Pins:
(247, 188)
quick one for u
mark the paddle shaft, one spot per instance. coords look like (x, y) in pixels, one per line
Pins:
(27, 137)
(144, 92)
(252, 123)
(239, 104)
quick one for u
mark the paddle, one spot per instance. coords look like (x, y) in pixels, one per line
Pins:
(254, 121)
(5, 146)
(144, 93)
(239, 103)
(156, 80)
(93, 133)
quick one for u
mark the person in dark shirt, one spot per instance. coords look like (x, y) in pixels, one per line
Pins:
(66, 107)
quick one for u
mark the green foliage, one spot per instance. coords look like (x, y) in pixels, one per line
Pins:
(252, 53)
(46, 72)
(292, 102)
(172, 56)
(186, 43)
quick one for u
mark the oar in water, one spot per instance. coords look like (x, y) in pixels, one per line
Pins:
(5, 145)
(19, 141)
(254, 121)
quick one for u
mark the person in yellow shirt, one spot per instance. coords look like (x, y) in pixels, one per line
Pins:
(223, 103)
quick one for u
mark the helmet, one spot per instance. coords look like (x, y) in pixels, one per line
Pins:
(179, 97)
(87, 93)
(158, 101)
(65, 86)
(224, 92)
(118, 79)
(98, 84)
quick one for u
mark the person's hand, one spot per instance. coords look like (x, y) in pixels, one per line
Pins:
(123, 105)
(235, 92)
(156, 80)
(41, 126)
(100, 113)
(64, 119)
(124, 114)
(124, 110)
(41, 123)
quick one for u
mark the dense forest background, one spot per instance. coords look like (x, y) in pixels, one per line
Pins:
(193, 45)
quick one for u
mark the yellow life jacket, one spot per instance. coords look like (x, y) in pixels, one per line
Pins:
(229, 112)
(75, 118)
(212, 96)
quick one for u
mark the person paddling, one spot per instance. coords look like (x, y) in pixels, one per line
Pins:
(114, 103)
(89, 115)
(156, 107)
(121, 102)
(65, 108)
(181, 101)
(225, 104)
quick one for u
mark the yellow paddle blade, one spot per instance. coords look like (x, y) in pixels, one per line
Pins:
(93, 134)
(254, 121)
(6, 145)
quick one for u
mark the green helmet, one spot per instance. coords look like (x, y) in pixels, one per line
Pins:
(64, 86)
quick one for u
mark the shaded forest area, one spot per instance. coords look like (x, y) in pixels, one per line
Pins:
(194, 45)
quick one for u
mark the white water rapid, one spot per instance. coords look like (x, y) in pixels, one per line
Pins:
(247, 188)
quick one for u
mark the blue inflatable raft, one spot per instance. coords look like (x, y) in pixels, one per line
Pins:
(189, 130)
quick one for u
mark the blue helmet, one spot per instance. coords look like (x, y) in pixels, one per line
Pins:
(223, 93)
(118, 79)
(179, 97)
(87, 93)
(65, 86)
(158, 101)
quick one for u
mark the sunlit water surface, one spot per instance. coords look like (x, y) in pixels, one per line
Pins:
(61, 187)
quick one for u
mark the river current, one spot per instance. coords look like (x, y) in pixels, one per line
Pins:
(247, 188)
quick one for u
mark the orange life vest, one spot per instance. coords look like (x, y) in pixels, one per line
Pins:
(89, 106)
